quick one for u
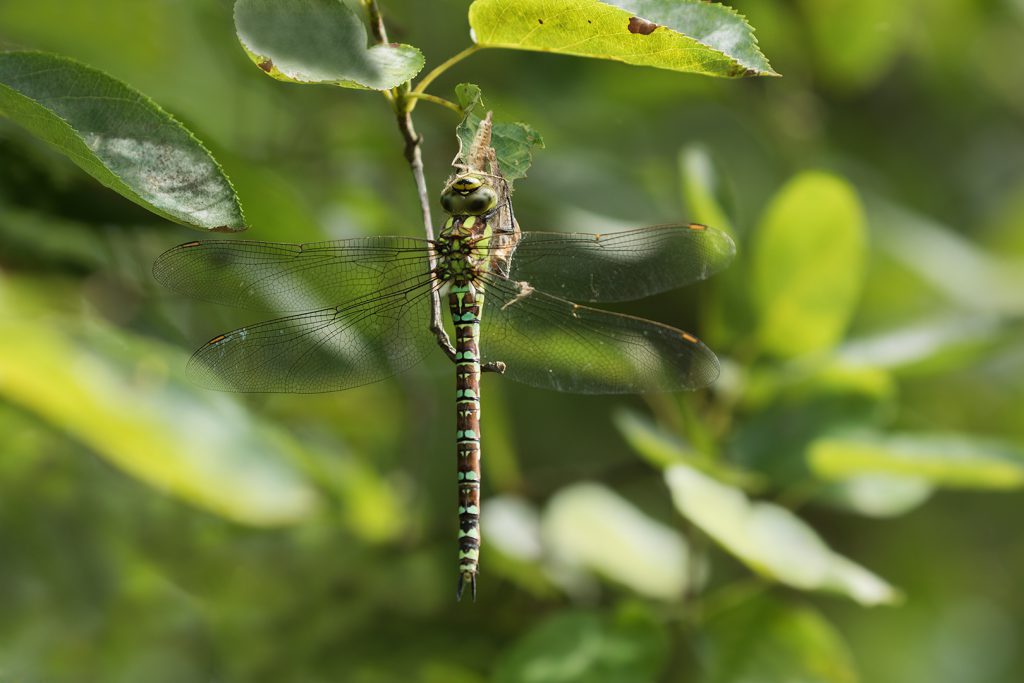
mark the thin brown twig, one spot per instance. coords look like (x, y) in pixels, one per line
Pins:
(380, 34)
(413, 141)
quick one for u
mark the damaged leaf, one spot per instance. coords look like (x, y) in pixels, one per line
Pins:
(512, 142)
(691, 36)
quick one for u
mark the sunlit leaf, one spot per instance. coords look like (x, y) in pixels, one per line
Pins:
(664, 450)
(770, 539)
(971, 277)
(320, 41)
(118, 136)
(592, 527)
(809, 260)
(681, 35)
(513, 525)
(587, 646)
(702, 189)
(120, 395)
(877, 495)
(513, 143)
(764, 640)
(953, 460)
(925, 346)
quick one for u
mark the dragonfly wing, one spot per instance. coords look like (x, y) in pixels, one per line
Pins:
(552, 343)
(330, 349)
(290, 277)
(620, 266)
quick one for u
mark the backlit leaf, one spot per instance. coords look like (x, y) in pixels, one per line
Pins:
(118, 136)
(118, 394)
(809, 260)
(954, 460)
(681, 35)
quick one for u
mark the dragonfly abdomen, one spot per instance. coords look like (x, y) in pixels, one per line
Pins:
(465, 302)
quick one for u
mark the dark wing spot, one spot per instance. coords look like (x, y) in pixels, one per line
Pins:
(540, 21)
(641, 26)
(267, 65)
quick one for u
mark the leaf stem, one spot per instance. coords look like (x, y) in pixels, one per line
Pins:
(441, 68)
(413, 95)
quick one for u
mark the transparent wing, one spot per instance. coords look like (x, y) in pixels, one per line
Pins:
(330, 349)
(552, 343)
(290, 277)
(620, 266)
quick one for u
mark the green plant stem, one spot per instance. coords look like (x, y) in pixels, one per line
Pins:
(413, 95)
(441, 68)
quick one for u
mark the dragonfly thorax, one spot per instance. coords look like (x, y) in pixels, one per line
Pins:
(462, 247)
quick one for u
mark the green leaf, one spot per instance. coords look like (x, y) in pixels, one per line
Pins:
(770, 539)
(954, 460)
(765, 640)
(926, 347)
(513, 143)
(691, 36)
(664, 450)
(877, 495)
(591, 527)
(809, 261)
(587, 646)
(320, 41)
(787, 408)
(117, 394)
(118, 136)
(702, 189)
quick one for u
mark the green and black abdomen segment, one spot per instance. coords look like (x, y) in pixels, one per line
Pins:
(465, 301)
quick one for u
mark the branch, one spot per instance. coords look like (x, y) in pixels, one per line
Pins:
(403, 112)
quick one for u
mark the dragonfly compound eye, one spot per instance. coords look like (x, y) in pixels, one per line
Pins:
(480, 201)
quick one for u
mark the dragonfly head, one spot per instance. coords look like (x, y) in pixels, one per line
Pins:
(469, 195)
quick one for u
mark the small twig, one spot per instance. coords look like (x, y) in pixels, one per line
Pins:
(380, 34)
(415, 159)
(403, 106)
(444, 66)
(413, 95)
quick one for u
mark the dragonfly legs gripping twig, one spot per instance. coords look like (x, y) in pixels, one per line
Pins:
(445, 342)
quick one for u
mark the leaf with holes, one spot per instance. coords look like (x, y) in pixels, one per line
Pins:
(512, 142)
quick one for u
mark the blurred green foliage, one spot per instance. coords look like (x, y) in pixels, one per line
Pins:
(867, 424)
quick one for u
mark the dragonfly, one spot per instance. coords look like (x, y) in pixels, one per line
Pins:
(361, 310)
